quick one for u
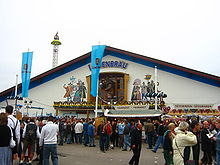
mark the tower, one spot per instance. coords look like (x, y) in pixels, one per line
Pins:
(55, 44)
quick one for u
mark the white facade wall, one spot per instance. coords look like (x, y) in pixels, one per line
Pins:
(180, 90)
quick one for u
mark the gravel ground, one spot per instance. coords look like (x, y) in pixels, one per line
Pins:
(75, 154)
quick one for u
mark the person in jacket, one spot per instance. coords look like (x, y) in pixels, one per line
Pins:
(107, 129)
(79, 131)
(182, 139)
(120, 130)
(149, 132)
(126, 137)
(206, 144)
(160, 133)
(30, 135)
(114, 135)
(21, 144)
(136, 136)
(215, 138)
(102, 138)
(85, 132)
(48, 140)
(40, 149)
(195, 129)
(73, 133)
(15, 126)
(61, 131)
(167, 144)
(5, 138)
(68, 132)
(91, 134)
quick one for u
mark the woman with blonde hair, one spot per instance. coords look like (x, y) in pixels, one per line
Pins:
(182, 139)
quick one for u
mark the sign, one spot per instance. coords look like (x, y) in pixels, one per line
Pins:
(193, 106)
(147, 77)
(112, 64)
(132, 107)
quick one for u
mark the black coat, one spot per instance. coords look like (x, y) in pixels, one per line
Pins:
(206, 142)
(136, 136)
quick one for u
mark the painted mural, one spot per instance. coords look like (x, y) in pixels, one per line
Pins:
(106, 90)
(75, 90)
(136, 92)
(145, 90)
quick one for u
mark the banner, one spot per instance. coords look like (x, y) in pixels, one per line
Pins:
(26, 72)
(132, 107)
(96, 60)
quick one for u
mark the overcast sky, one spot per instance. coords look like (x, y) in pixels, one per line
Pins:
(185, 33)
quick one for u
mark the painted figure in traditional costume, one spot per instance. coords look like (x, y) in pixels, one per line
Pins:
(144, 91)
(136, 93)
(69, 90)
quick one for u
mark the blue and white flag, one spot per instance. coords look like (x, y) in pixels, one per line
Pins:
(26, 72)
(96, 60)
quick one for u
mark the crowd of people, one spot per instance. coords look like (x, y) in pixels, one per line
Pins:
(22, 139)
(181, 140)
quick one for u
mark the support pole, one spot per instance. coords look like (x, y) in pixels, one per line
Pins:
(96, 100)
(16, 93)
(16, 86)
(155, 87)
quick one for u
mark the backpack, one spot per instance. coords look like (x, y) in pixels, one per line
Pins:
(31, 132)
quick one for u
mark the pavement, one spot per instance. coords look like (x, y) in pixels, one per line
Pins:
(76, 154)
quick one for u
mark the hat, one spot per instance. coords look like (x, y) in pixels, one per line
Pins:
(193, 124)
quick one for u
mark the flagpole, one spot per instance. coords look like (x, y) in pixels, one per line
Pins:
(155, 87)
(16, 92)
(16, 86)
(96, 59)
(96, 99)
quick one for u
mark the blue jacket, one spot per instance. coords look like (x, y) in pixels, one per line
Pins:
(121, 128)
(85, 128)
(91, 129)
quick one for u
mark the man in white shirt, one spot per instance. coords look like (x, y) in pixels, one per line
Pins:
(79, 131)
(48, 140)
(15, 125)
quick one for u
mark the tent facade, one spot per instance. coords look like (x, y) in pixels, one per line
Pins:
(65, 90)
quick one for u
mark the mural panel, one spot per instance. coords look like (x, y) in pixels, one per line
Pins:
(145, 90)
(75, 90)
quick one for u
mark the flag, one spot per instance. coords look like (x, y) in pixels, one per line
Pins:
(96, 60)
(26, 72)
